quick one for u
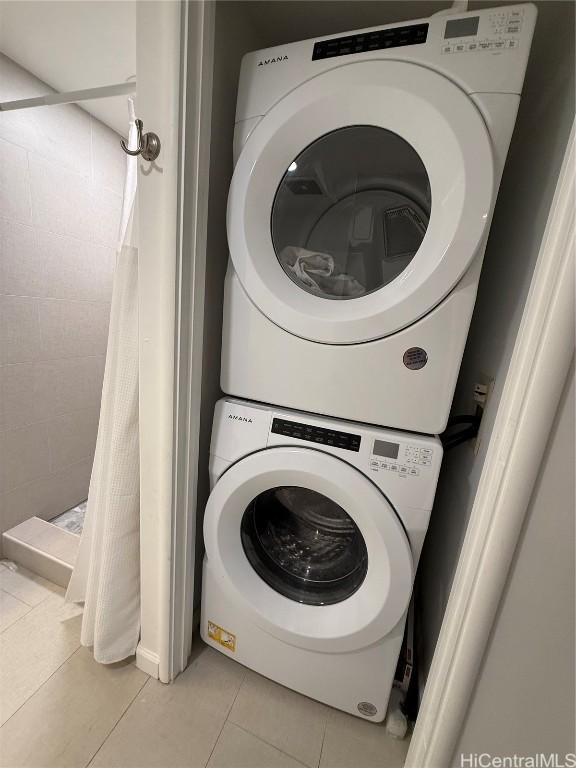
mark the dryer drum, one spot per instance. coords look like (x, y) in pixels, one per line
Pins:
(351, 212)
(304, 545)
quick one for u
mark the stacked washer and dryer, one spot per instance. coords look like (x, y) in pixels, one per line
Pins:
(366, 172)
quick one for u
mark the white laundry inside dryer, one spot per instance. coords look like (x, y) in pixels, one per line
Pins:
(351, 212)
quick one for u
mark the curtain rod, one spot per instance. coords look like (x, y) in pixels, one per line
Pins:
(121, 89)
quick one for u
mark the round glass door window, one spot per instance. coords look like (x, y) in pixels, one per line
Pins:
(304, 546)
(351, 212)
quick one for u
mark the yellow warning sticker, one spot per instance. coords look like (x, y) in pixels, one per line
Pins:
(222, 636)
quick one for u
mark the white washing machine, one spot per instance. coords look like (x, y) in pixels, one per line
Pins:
(366, 172)
(313, 531)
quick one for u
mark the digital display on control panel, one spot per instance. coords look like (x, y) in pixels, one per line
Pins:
(364, 42)
(345, 440)
(385, 449)
(462, 27)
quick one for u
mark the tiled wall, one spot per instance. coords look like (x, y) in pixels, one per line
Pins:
(61, 177)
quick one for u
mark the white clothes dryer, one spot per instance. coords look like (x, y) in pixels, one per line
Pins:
(366, 172)
(313, 531)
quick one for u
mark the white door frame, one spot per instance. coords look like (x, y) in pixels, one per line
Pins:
(196, 113)
(158, 65)
(174, 61)
(540, 362)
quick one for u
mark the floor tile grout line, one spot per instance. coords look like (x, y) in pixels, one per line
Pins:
(20, 600)
(15, 597)
(30, 607)
(117, 723)
(50, 676)
(226, 718)
(246, 730)
(268, 744)
(13, 621)
(323, 738)
(18, 570)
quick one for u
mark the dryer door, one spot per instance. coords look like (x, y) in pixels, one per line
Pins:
(310, 549)
(359, 201)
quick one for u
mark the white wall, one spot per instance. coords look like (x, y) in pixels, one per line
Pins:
(61, 178)
(536, 153)
(74, 45)
(523, 702)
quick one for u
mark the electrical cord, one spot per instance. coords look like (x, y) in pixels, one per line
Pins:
(464, 419)
(451, 438)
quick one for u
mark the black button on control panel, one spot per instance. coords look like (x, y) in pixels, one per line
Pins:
(363, 42)
(345, 440)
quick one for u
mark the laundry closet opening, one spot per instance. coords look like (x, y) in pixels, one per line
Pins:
(311, 209)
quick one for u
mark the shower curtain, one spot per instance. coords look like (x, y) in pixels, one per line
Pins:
(106, 576)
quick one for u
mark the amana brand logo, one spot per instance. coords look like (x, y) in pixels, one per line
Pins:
(275, 60)
(239, 418)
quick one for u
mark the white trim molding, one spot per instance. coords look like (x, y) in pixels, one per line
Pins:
(540, 362)
(158, 62)
(148, 661)
(195, 123)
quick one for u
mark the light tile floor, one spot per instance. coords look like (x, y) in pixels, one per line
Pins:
(60, 709)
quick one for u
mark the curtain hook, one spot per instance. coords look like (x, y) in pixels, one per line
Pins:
(148, 144)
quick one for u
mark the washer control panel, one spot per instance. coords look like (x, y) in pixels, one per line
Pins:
(499, 31)
(405, 460)
(506, 22)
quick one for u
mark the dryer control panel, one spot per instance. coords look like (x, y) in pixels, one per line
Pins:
(373, 40)
(498, 31)
(482, 51)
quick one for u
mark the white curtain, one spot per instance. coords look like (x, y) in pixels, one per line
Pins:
(106, 576)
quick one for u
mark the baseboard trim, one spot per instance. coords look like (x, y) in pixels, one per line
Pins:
(148, 661)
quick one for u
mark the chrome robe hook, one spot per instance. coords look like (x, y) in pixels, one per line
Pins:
(148, 144)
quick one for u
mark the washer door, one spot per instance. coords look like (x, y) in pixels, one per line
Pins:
(310, 548)
(360, 200)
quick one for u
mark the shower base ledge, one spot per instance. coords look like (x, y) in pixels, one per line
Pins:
(43, 548)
